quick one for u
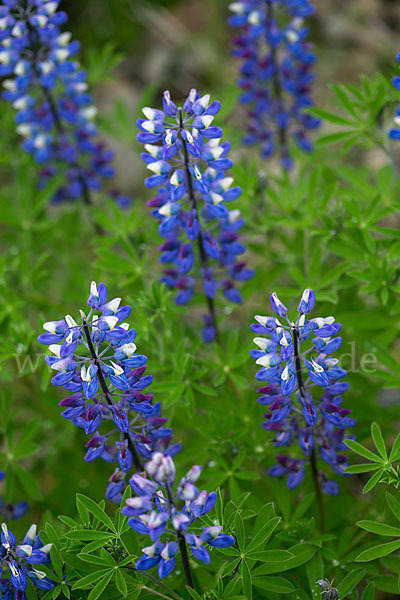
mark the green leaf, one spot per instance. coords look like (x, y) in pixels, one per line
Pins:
(393, 504)
(369, 592)
(330, 117)
(302, 553)
(362, 468)
(247, 581)
(395, 448)
(270, 555)
(279, 585)
(87, 581)
(94, 559)
(100, 586)
(239, 531)
(380, 528)
(386, 583)
(56, 561)
(348, 584)
(121, 583)
(263, 534)
(378, 551)
(371, 483)
(378, 440)
(89, 534)
(97, 511)
(359, 449)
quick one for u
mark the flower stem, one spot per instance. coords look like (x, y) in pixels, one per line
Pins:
(185, 560)
(103, 384)
(182, 544)
(313, 456)
(57, 118)
(276, 82)
(200, 241)
(317, 488)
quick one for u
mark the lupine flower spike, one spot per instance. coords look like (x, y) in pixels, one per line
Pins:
(395, 133)
(155, 511)
(96, 361)
(46, 86)
(21, 562)
(302, 388)
(188, 160)
(275, 74)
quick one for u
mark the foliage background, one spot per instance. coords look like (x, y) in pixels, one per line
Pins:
(335, 228)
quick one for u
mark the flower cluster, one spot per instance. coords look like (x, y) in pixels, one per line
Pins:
(395, 133)
(11, 511)
(20, 561)
(46, 86)
(290, 370)
(188, 168)
(96, 361)
(275, 73)
(153, 512)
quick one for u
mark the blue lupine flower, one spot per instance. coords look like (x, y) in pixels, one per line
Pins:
(46, 86)
(295, 360)
(395, 133)
(96, 361)
(154, 512)
(11, 511)
(188, 160)
(275, 74)
(20, 560)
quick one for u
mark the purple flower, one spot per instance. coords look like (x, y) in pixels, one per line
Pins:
(47, 88)
(96, 361)
(188, 159)
(295, 359)
(159, 512)
(18, 558)
(275, 74)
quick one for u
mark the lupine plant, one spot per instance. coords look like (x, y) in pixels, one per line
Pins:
(294, 370)
(106, 386)
(293, 507)
(202, 239)
(275, 74)
(48, 89)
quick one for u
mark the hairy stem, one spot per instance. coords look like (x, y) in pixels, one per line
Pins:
(103, 384)
(200, 241)
(313, 456)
